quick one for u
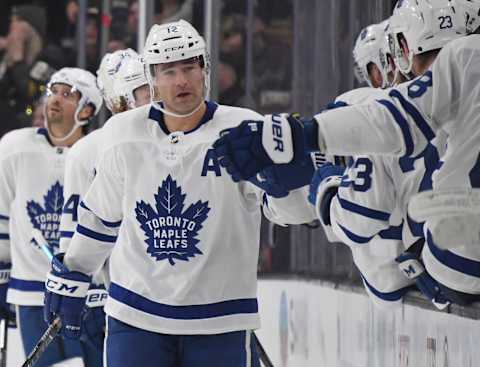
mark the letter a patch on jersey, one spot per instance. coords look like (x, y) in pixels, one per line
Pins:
(171, 231)
(47, 219)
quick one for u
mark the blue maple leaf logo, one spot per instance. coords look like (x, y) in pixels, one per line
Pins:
(47, 219)
(171, 232)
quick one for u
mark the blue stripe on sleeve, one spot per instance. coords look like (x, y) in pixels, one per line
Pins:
(402, 123)
(4, 217)
(96, 235)
(106, 223)
(392, 233)
(354, 237)
(415, 114)
(364, 211)
(26, 285)
(66, 234)
(453, 261)
(386, 296)
(4, 236)
(192, 312)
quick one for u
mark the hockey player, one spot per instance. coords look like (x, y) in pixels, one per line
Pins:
(357, 209)
(79, 172)
(181, 237)
(31, 197)
(400, 123)
(372, 58)
(375, 190)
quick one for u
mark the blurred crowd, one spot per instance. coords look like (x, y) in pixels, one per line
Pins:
(39, 37)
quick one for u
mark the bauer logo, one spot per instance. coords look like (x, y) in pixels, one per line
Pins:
(46, 218)
(171, 231)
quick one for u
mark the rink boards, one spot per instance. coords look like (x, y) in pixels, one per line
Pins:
(313, 324)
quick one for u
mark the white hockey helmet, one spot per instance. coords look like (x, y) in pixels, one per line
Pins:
(85, 83)
(371, 46)
(471, 11)
(129, 77)
(109, 66)
(426, 25)
(173, 42)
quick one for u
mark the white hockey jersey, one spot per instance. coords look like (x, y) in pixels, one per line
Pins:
(79, 173)
(182, 237)
(31, 196)
(405, 119)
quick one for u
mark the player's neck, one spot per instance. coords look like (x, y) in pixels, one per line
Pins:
(185, 123)
(59, 131)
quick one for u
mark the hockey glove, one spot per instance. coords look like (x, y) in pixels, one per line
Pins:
(253, 146)
(93, 330)
(323, 188)
(65, 297)
(413, 269)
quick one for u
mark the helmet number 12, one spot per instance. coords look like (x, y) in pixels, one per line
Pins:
(172, 29)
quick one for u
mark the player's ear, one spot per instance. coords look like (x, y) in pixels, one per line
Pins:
(404, 46)
(86, 112)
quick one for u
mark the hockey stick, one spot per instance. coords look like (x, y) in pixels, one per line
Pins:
(56, 325)
(43, 343)
(3, 341)
(261, 352)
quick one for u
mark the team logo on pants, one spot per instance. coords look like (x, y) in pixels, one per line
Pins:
(171, 231)
(47, 219)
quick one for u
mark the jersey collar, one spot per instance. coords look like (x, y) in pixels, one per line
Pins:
(157, 115)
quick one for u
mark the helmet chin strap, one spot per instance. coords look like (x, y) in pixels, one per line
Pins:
(158, 105)
(77, 125)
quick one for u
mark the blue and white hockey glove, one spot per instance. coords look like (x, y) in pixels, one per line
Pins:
(93, 329)
(323, 188)
(65, 297)
(253, 146)
(6, 311)
(278, 180)
(413, 269)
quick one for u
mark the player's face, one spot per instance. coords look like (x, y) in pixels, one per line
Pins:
(62, 101)
(142, 95)
(180, 85)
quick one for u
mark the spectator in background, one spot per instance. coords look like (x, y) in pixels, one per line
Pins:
(38, 114)
(230, 91)
(21, 46)
(173, 10)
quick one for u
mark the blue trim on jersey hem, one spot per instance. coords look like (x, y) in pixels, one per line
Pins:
(453, 261)
(4, 217)
(363, 210)
(415, 114)
(386, 296)
(96, 235)
(106, 223)
(354, 237)
(4, 236)
(26, 285)
(402, 123)
(157, 115)
(66, 234)
(193, 312)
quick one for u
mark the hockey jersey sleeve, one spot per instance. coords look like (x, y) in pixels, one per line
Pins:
(99, 219)
(7, 194)
(365, 201)
(406, 118)
(292, 209)
(78, 179)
